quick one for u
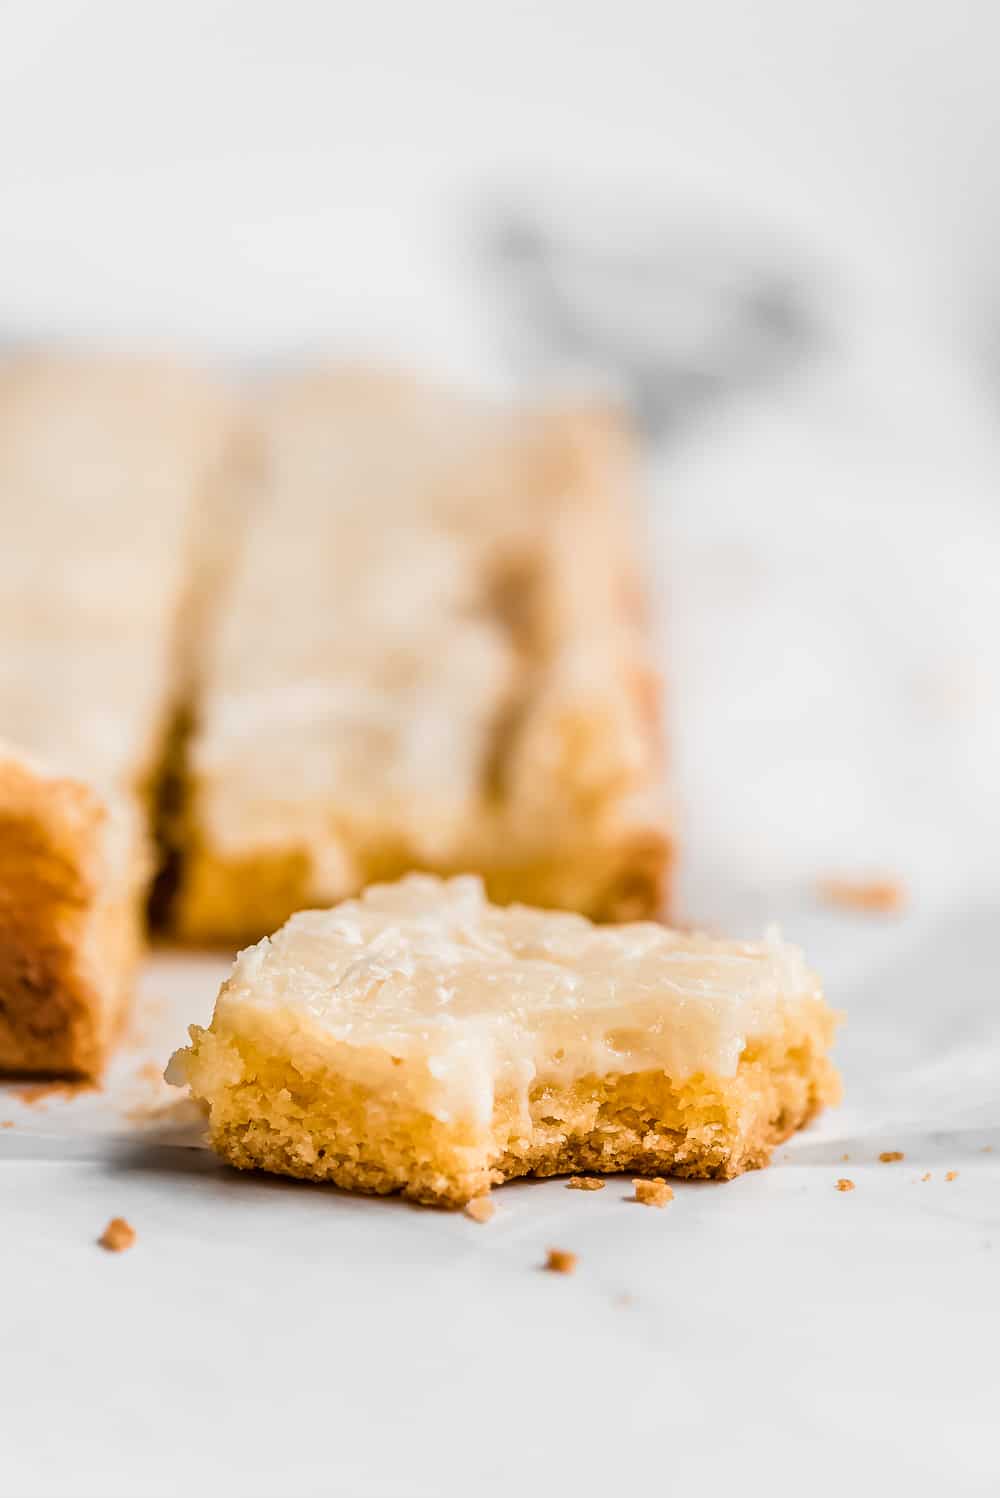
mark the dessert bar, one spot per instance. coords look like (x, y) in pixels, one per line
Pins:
(432, 655)
(104, 466)
(422, 1040)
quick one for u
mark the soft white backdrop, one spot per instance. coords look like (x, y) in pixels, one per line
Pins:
(263, 180)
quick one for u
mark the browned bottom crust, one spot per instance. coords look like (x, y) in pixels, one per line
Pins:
(235, 902)
(69, 935)
(266, 1114)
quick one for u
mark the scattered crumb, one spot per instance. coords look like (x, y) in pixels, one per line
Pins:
(151, 1072)
(844, 1184)
(876, 896)
(480, 1209)
(8, 1123)
(173, 1113)
(926, 1176)
(154, 1100)
(889, 1157)
(845, 1157)
(41, 1092)
(950, 1175)
(655, 1193)
(560, 1261)
(585, 1183)
(117, 1236)
(147, 1007)
(695, 928)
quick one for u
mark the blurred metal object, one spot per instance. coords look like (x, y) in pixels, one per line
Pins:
(675, 313)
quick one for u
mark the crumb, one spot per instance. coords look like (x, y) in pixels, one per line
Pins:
(176, 1112)
(877, 896)
(889, 1157)
(695, 928)
(585, 1183)
(117, 1236)
(950, 1175)
(480, 1209)
(926, 1176)
(844, 1184)
(845, 1157)
(8, 1123)
(151, 1072)
(41, 1092)
(560, 1261)
(655, 1193)
(138, 1034)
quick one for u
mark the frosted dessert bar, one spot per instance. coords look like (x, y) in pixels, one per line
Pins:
(72, 873)
(432, 656)
(422, 1040)
(104, 463)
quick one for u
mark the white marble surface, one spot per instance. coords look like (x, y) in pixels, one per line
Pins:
(824, 557)
(265, 1337)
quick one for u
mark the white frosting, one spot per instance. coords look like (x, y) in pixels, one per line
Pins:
(100, 463)
(473, 999)
(352, 697)
(352, 688)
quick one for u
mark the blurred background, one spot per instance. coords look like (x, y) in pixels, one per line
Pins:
(772, 229)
